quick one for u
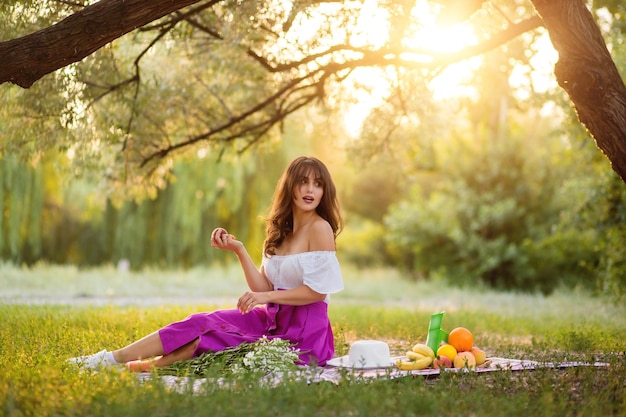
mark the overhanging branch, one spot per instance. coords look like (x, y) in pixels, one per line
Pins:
(25, 60)
(238, 128)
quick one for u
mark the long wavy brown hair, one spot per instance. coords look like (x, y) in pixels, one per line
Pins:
(279, 223)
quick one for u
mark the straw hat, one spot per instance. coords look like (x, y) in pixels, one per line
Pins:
(365, 354)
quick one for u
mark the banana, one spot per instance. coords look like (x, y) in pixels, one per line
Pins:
(424, 350)
(414, 356)
(414, 365)
(420, 357)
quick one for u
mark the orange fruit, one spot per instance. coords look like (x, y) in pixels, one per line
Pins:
(461, 338)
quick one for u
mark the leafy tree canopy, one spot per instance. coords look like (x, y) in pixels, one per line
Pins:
(215, 76)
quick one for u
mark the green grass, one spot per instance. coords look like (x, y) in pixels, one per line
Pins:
(78, 311)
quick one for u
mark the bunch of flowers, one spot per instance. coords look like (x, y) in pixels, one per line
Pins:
(267, 356)
(263, 356)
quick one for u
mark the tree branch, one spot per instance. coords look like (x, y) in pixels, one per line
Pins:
(287, 90)
(381, 57)
(500, 39)
(25, 60)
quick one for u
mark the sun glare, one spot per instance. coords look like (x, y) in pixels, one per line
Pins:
(453, 81)
(427, 41)
(431, 39)
(539, 76)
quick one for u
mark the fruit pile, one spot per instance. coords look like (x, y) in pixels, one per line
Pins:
(458, 352)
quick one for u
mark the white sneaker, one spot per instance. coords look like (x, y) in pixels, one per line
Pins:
(97, 360)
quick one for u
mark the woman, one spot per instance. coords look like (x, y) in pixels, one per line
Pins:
(289, 293)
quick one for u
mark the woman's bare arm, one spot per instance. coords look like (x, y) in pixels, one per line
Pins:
(296, 297)
(321, 238)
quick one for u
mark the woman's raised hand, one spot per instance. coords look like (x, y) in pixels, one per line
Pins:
(221, 239)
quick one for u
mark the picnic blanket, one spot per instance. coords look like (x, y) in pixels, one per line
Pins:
(336, 374)
(490, 365)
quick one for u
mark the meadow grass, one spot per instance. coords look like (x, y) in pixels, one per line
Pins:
(51, 313)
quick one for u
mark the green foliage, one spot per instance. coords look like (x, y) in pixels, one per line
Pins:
(71, 220)
(616, 9)
(21, 17)
(596, 213)
(149, 90)
(181, 82)
(374, 189)
(174, 229)
(498, 197)
(362, 243)
(21, 207)
(491, 218)
(605, 212)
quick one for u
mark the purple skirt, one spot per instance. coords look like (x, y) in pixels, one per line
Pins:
(307, 327)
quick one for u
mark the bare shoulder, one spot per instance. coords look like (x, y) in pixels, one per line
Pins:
(321, 237)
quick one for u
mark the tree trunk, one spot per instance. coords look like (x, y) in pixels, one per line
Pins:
(586, 71)
(25, 60)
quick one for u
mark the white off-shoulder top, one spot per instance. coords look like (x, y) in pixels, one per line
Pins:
(318, 270)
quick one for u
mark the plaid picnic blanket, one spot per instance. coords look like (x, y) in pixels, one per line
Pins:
(336, 374)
